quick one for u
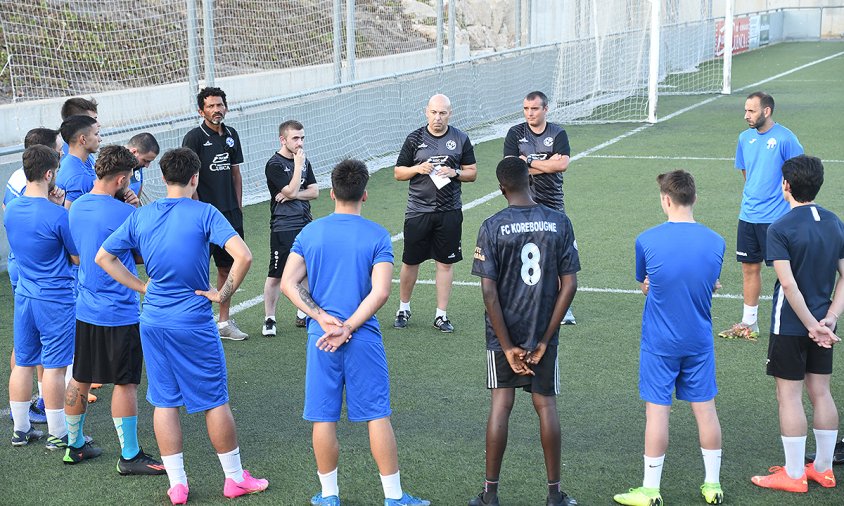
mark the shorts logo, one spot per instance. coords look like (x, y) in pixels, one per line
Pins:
(549, 141)
(453, 255)
(772, 143)
(741, 253)
(479, 254)
(229, 142)
(451, 145)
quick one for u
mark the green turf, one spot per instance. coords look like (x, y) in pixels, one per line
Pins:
(439, 400)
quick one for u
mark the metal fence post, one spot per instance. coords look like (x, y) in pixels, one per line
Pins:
(208, 40)
(350, 38)
(338, 46)
(517, 23)
(440, 31)
(193, 54)
(452, 38)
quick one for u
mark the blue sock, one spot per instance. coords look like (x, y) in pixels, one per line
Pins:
(74, 430)
(127, 432)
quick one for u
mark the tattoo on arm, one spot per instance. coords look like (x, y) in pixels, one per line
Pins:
(306, 298)
(227, 291)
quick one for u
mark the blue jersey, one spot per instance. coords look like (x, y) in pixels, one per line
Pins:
(812, 240)
(762, 156)
(14, 188)
(39, 234)
(172, 236)
(682, 262)
(137, 180)
(340, 251)
(100, 300)
(76, 177)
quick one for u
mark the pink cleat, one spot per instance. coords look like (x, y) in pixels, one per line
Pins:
(249, 485)
(178, 494)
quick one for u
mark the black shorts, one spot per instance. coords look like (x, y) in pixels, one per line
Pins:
(791, 357)
(546, 380)
(751, 242)
(220, 256)
(433, 235)
(280, 244)
(108, 354)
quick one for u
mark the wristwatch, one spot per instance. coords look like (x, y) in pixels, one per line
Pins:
(457, 172)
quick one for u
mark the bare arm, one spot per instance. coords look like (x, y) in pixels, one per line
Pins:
(291, 190)
(292, 285)
(468, 173)
(74, 259)
(237, 181)
(309, 193)
(115, 268)
(819, 333)
(565, 294)
(837, 306)
(406, 173)
(515, 356)
(557, 163)
(242, 257)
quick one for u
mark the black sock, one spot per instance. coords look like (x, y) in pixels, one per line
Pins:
(490, 489)
(554, 489)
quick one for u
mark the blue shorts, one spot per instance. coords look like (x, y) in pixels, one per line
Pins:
(361, 367)
(185, 367)
(692, 377)
(44, 332)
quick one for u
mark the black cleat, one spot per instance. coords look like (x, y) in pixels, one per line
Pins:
(837, 455)
(443, 324)
(21, 438)
(401, 319)
(561, 500)
(481, 501)
(76, 455)
(140, 464)
(301, 323)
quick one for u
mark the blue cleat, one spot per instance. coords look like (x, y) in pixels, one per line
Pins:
(406, 500)
(37, 413)
(319, 500)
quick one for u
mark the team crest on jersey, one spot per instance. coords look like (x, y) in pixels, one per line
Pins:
(772, 143)
(549, 141)
(138, 174)
(451, 145)
(479, 254)
(229, 142)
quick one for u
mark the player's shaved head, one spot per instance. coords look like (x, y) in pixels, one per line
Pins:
(348, 180)
(439, 101)
(512, 174)
(804, 175)
(679, 185)
(179, 165)
(113, 161)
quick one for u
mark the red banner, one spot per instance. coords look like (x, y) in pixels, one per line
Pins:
(741, 35)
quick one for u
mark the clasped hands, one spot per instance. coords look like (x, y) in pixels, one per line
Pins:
(337, 332)
(521, 360)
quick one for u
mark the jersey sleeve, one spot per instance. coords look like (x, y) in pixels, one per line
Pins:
(485, 263)
(123, 239)
(468, 155)
(407, 153)
(569, 259)
(511, 143)
(75, 187)
(791, 148)
(218, 227)
(276, 178)
(777, 246)
(561, 143)
(739, 156)
(237, 155)
(310, 177)
(383, 250)
(641, 265)
(191, 141)
(63, 231)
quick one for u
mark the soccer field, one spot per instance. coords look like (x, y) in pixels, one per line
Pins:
(439, 399)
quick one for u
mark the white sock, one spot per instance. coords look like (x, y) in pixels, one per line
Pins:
(712, 464)
(40, 390)
(750, 316)
(653, 471)
(175, 467)
(824, 447)
(329, 483)
(20, 415)
(300, 314)
(231, 464)
(404, 306)
(222, 325)
(440, 312)
(392, 486)
(795, 453)
(56, 423)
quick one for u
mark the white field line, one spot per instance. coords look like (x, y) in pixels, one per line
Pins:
(587, 289)
(679, 158)
(254, 301)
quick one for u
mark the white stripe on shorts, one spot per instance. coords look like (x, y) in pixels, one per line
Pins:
(557, 376)
(491, 373)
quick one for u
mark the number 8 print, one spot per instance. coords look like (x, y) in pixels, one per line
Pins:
(530, 264)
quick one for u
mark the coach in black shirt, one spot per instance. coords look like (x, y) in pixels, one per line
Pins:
(220, 183)
(436, 159)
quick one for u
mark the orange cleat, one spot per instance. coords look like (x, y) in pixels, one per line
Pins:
(95, 386)
(91, 398)
(825, 479)
(780, 480)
